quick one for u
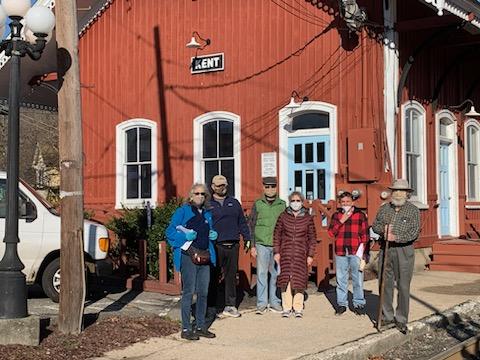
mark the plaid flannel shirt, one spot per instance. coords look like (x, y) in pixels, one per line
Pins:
(406, 222)
(349, 235)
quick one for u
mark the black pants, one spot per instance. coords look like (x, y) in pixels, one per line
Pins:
(227, 267)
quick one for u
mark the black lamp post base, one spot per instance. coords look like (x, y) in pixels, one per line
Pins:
(13, 291)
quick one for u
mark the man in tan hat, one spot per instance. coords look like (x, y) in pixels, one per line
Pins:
(229, 222)
(398, 223)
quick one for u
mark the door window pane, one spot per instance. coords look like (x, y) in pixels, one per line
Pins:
(132, 145)
(145, 144)
(298, 153)
(298, 179)
(321, 184)
(321, 152)
(309, 184)
(309, 153)
(210, 140)
(226, 139)
(312, 120)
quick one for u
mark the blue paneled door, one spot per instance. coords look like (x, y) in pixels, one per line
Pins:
(445, 196)
(309, 166)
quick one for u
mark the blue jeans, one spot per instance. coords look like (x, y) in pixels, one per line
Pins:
(195, 279)
(265, 264)
(344, 264)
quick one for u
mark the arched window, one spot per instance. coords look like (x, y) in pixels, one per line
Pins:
(136, 163)
(414, 151)
(472, 148)
(217, 149)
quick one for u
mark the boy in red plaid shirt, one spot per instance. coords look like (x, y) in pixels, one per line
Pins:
(349, 227)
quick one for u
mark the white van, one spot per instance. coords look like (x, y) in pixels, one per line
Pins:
(39, 234)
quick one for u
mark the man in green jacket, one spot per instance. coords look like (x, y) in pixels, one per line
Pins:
(263, 218)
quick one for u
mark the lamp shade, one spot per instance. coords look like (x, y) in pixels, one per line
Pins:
(40, 19)
(3, 16)
(16, 7)
(292, 104)
(193, 44)
(472, 112)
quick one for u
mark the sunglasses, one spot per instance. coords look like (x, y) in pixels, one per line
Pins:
(270, 186)
(220, 186)
(199, 193)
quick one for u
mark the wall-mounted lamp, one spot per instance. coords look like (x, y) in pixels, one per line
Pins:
(294, 105)
(194, 44)
(470, 113)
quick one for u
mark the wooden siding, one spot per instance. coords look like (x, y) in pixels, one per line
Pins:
(134, 64)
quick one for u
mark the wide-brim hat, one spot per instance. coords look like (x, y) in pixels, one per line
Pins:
(400, 184)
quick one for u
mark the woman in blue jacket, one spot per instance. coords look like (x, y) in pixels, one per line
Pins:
(190, 232)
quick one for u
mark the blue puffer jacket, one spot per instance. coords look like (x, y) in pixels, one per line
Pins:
(177, 238)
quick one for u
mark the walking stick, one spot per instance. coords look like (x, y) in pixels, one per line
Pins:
(382, 283)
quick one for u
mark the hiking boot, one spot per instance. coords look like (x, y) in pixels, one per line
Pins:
(340, 310)
(286, 313)
(298, 314)
(189, 335)
(261, 311)
(231, 311)
(205, 333)
(402, 327)
(359, 310)
(277, 309)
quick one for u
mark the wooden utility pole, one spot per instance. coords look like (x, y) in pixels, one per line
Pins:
(72, 289)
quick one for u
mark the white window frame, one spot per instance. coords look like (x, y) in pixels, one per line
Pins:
(198, 168)
(453, 163)
(285, 116)
(120, 173)
(473, 123)
(420, 200)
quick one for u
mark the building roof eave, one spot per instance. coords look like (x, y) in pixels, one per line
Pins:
(468, 10)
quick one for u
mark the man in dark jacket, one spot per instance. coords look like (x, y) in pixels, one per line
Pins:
(229, 221)
(263, 218)
(398, 222)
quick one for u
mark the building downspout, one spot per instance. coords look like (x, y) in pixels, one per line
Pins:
(391, 66)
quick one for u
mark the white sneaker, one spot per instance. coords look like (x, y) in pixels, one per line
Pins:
(231, 311)
(276, 309)
(286, 313)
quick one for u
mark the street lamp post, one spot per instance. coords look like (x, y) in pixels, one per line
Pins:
(39, 22)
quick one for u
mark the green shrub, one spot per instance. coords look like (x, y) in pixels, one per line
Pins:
(131, 226)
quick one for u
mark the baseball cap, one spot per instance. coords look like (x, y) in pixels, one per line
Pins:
(269, 180)
(219, 180)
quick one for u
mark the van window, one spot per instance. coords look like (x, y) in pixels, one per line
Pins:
(22, 201)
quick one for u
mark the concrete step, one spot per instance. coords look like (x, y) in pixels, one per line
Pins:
(447, 258)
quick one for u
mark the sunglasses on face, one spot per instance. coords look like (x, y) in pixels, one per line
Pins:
(199, 193)
(270, 186)
(221, 186)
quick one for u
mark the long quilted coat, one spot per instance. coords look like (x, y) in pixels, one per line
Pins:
(294, 239)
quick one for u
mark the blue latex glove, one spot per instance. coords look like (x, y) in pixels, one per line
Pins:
(212, 235)
(191, 235)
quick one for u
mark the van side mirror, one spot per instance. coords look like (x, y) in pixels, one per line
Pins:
(30, 211)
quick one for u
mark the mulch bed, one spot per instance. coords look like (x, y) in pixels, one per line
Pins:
(104, 335)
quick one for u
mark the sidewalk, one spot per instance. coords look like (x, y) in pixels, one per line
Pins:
(271, 337)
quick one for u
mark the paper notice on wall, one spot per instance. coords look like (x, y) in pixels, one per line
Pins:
(360, 250)
(269, 164)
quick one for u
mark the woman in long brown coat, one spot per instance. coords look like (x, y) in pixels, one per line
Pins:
(294, 247)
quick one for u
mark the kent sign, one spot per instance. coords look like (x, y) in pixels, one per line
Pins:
(207, 63)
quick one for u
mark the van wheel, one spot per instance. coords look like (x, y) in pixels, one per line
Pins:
(51, 280)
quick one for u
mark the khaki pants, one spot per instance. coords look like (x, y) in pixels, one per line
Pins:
(289, 300)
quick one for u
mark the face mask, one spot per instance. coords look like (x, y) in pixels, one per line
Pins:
(346, 208)
(297, 205)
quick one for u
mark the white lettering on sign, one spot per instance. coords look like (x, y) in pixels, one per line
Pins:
(207, 63)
